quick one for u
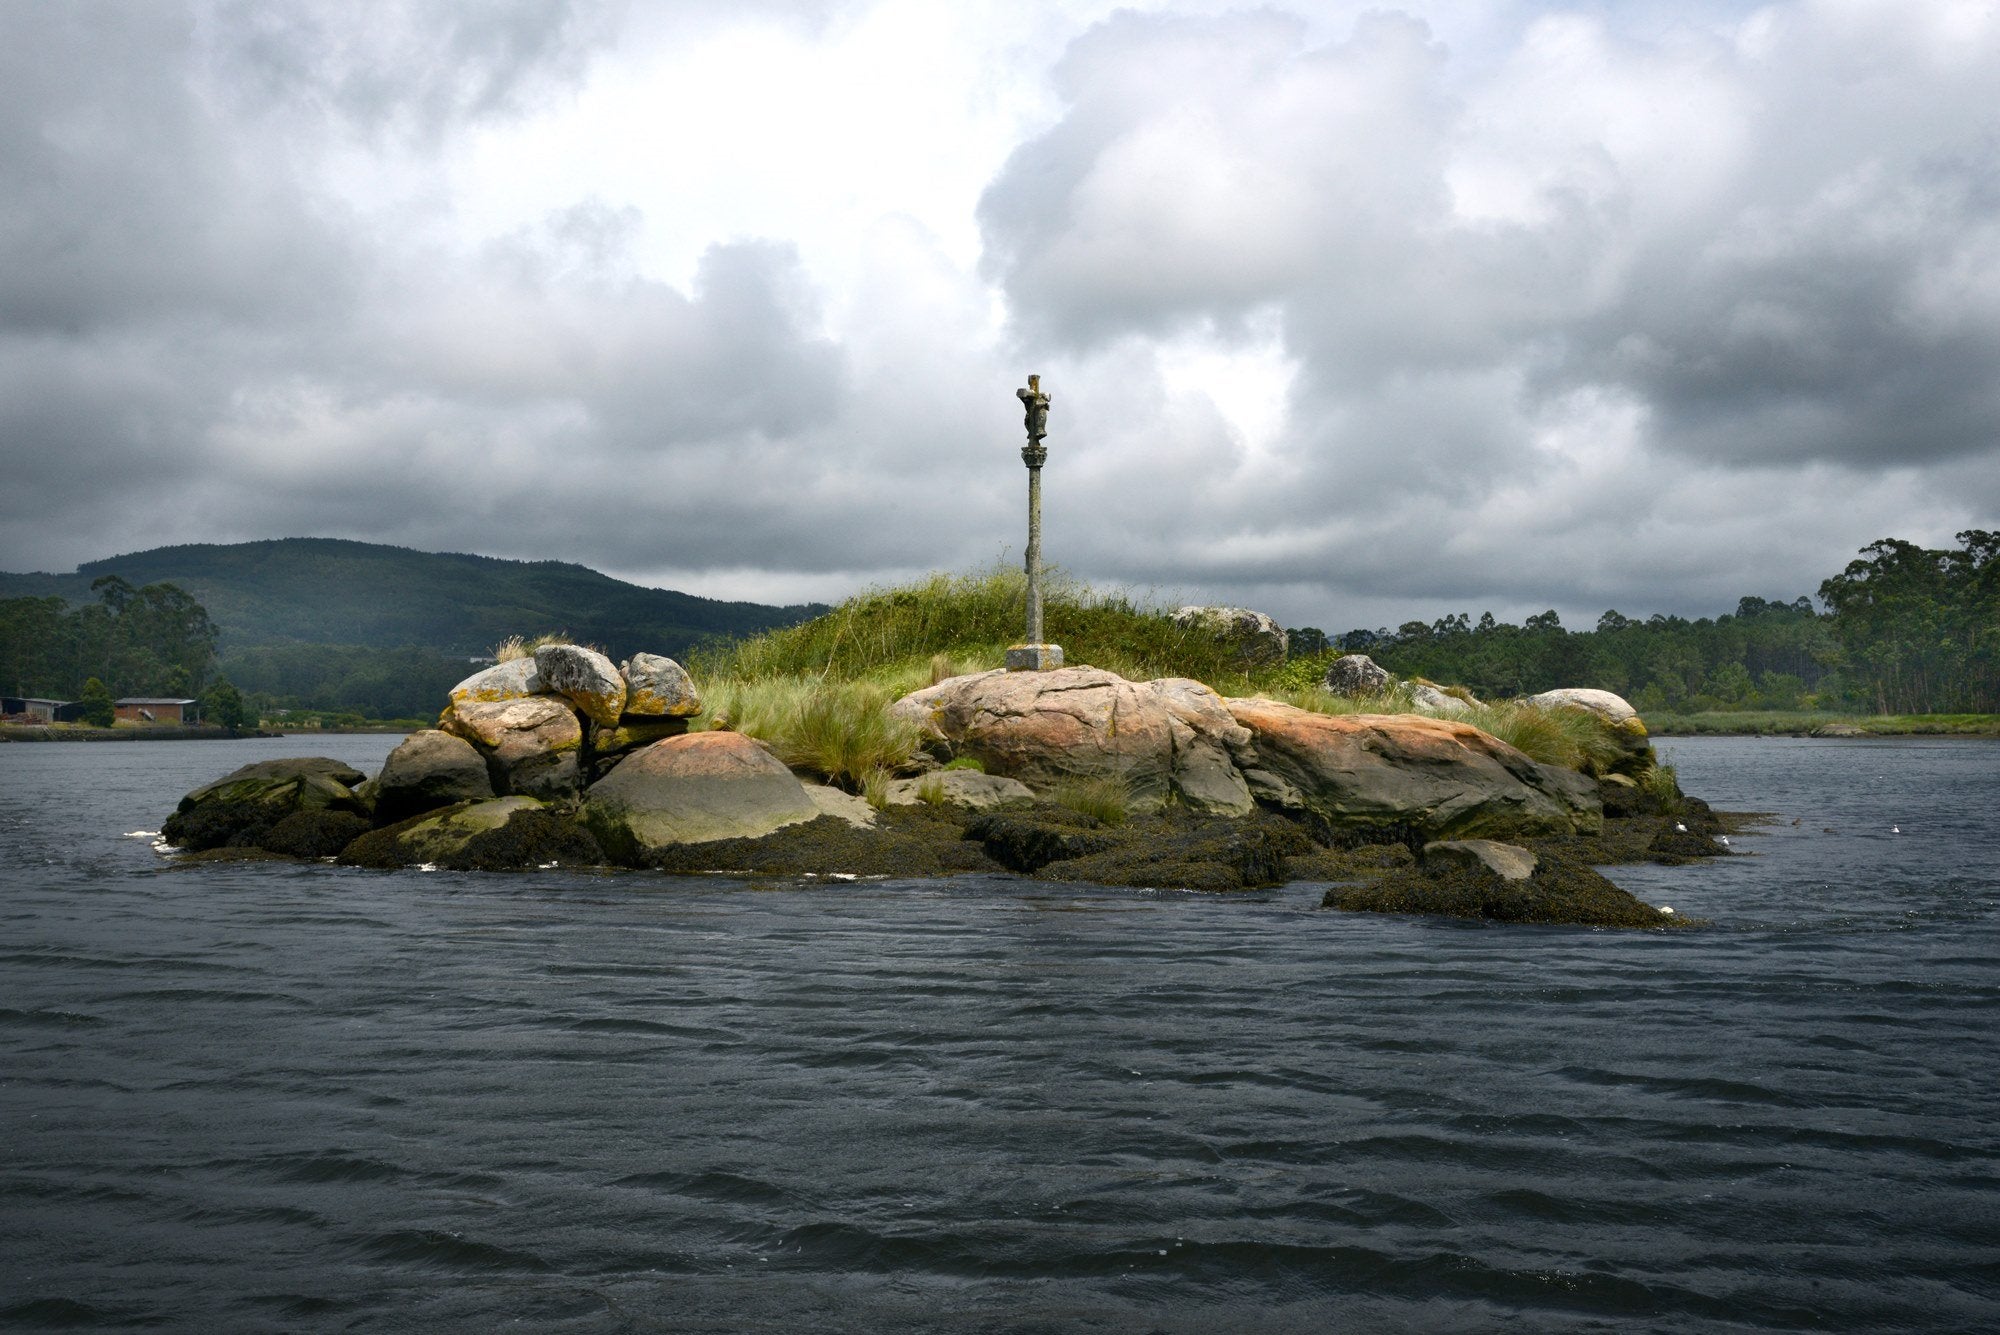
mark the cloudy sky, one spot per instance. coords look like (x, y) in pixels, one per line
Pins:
(1350, 312)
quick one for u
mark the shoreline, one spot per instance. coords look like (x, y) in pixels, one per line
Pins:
(1757, 723)
(159, 733)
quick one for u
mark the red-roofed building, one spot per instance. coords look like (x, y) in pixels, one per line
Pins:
(149, 709)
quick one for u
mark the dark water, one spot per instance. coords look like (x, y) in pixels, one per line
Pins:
(269, 1097)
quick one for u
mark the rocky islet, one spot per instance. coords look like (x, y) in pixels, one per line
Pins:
(566, 758)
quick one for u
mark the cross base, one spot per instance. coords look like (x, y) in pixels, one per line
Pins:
(1034, 657)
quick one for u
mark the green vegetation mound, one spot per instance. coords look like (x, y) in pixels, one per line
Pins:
(966, 623)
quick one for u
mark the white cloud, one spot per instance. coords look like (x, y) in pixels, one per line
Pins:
(1359, 314)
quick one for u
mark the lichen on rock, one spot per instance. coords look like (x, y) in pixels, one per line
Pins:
(658, 687)
(586, 678)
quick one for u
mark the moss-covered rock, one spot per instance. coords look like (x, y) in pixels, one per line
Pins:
(505, 834)
(242, 807)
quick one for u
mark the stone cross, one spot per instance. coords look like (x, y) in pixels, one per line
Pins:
(1035, 655)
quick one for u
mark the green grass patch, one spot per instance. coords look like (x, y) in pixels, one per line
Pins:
(947, 625)
(840, 730)
(1106, 799)
(1572, 738)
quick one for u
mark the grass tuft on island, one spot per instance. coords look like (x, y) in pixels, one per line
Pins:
(817, 692)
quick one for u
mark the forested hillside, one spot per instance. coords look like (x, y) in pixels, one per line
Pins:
(331, 591)
(325, 624)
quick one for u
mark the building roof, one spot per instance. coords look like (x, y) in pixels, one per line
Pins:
(149, 700)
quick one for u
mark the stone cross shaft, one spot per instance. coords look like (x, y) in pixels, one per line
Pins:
(1035, 654)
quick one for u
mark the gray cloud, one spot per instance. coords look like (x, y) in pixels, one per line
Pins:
(1767, 248)
(411, 70)
(1832, 299)
(1649, 309)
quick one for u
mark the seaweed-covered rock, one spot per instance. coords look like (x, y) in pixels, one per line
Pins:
(314, 834)
(242, 806)
(656, 686)
(1211, 855)
(504, 834)
(530, 743)
(1622, 797)
(1363, 777)
(1160, 739)
(1361, 862)
(1677, 841)
(1027, 841)
(1510, 862)
(693, 789)
(429, 769)
(906, 841)
(1557, 893)
(584, 677)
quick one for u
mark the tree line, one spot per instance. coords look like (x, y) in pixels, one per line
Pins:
(153, 640)
(1905, 630)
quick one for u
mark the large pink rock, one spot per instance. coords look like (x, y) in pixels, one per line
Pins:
(1162, 738)
(1406, 774)
(693, 789)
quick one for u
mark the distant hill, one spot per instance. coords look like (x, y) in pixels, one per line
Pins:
(331, 591)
